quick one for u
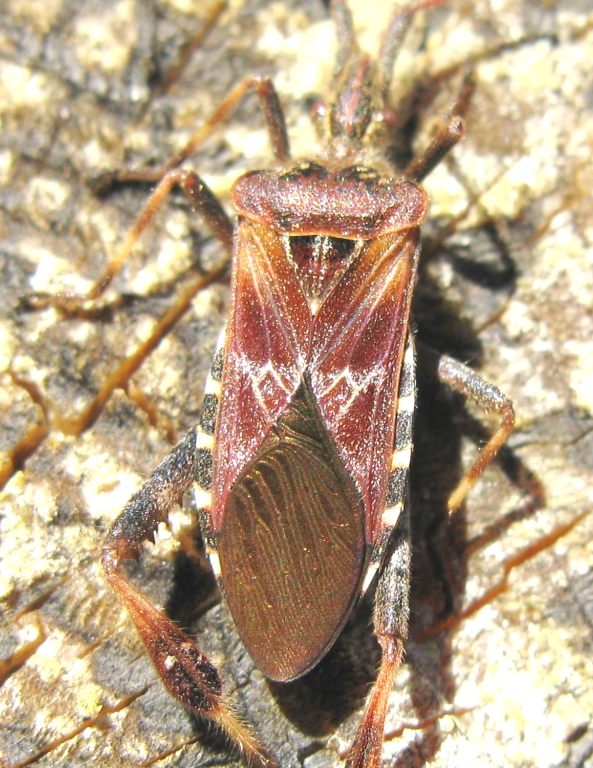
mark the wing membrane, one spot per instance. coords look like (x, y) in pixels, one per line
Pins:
(292, 517)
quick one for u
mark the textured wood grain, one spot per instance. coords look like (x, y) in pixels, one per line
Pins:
(77, 688)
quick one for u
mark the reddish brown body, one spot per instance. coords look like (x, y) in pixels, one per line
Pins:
(314, 347)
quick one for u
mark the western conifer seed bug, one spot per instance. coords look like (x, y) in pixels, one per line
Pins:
(300, 458)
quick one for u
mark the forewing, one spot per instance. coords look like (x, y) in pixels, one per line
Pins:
(267, 344)
(359, 338)
(292, 544)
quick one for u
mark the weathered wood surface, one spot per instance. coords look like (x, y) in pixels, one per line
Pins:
(517, 675)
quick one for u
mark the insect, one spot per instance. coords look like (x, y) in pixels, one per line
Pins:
(300, 459)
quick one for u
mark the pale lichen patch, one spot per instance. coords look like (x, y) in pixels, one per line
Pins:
(106, 40)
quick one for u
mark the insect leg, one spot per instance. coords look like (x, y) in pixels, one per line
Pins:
(466, 381)
(447, 136)
(391, 629)
(449, 133)
(188, 675)
(273, 114)
(345, 36)
(203, 201)
(394, 37)
(200, 196)
(186, 52)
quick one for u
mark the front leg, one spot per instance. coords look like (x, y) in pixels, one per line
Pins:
(203, 201)
(463, 379)
(184, 669)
